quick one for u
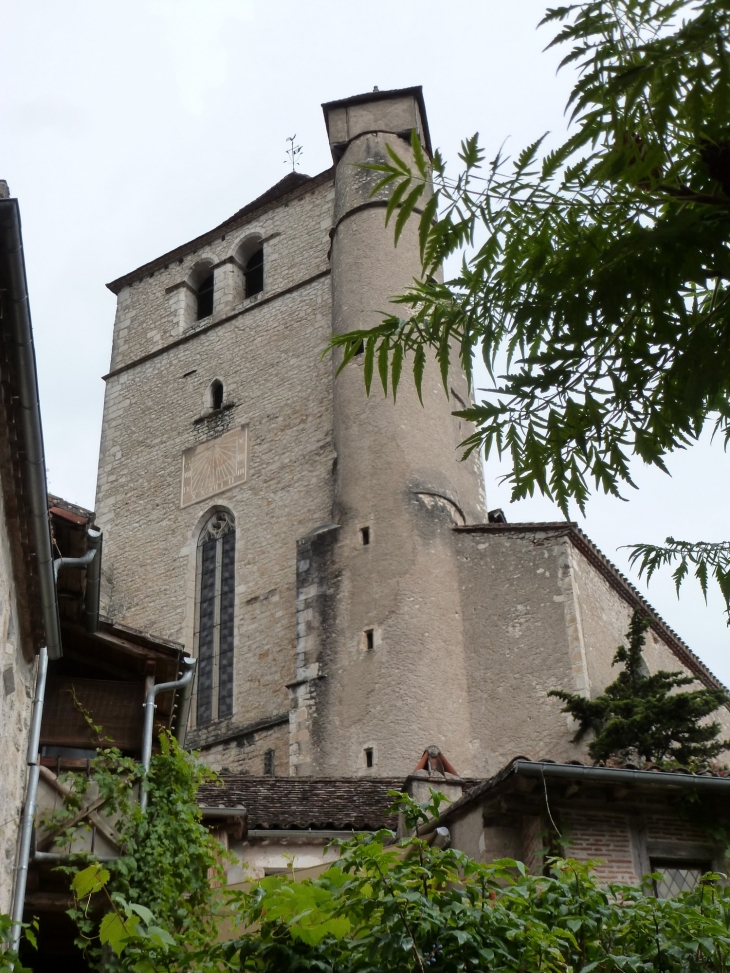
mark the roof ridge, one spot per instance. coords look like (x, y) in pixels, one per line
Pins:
(274, 194)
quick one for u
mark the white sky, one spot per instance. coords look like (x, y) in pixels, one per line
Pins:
(129, 128)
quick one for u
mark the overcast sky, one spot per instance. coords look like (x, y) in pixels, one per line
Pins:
(128, 128)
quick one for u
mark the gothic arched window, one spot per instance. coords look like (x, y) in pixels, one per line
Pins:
(215, 593)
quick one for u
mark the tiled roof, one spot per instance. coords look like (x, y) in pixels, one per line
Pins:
(647, 775)
(618, 581)
(282, 803)
(69, 511)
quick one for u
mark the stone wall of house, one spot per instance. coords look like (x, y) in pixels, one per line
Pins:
(538, 615)
(16, 698)
(605, 618)
(518, 616)
(267, 352)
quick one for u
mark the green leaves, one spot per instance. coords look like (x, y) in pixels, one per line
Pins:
(308, 910)
(399, 908)
(117, 932)
(598, 295)
(159, 895)
(89, 880)
(706, 558)
(643, 716)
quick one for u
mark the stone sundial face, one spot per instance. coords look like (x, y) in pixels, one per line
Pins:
(214, 466)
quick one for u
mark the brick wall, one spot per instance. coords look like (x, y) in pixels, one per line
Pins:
(602, 837)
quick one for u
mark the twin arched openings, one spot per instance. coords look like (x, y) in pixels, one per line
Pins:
(215, 587)
(251, 263)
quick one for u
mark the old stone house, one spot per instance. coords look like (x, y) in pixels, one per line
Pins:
(25, 589)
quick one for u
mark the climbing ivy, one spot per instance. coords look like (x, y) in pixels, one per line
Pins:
(401, 906)
(169, 867)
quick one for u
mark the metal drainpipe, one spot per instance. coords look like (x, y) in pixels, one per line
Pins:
(149, 716)
(183, 712)
(27, 820)
(93, 586)
(94, 538)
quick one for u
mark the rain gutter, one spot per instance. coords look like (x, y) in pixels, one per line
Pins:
(615, 775)
(17, 309)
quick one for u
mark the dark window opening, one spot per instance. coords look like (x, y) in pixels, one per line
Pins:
(677, 876)
(269, 757)
(214, 618)
(205, 298)
(368, 756)
(360, 350)
(254, 273)
(216, 394)
(369, 638)
(365, 534)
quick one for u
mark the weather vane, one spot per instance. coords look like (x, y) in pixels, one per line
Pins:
(293, 153)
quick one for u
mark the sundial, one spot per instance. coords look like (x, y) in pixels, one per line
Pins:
(214, 466)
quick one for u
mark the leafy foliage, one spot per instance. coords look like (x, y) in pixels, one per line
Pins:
(169, 867)
(409, 906)
(9, 961)
(412, 907)
(597, 272)
(643, 716)
(706, 558)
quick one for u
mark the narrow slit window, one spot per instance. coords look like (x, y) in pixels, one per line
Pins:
(360, 350)
(369, 639)
(205, 298)
(365, 535)
(269, 763)
(215, 592)
(254, 273)
(369, 757)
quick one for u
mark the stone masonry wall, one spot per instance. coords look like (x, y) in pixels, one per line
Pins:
(515, 588)
(605, 620)
(151, 312)
(539, 616)
(16, 698)
(267, 353)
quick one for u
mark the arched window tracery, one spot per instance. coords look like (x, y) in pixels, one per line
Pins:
(214, 617)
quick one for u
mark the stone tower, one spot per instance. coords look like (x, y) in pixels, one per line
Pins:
(384, 663)
(322, 553)
(292, 532)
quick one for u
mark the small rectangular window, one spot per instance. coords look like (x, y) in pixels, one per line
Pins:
(368, 756)
(677, 876)
(254, 273)
(365, 534)
(369, 639)
(205, 297)
(269, 766)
